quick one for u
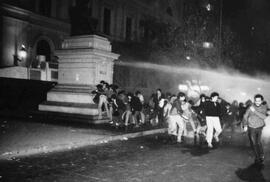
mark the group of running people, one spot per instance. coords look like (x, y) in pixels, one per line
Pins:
(206, 117)
(173, 111)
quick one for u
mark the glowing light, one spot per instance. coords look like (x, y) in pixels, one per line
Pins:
(208, 7)
(188, 57)
(183, 87)
(22, 52)
(204, 88)
(196, 88)
(207, 45)
(243, 93)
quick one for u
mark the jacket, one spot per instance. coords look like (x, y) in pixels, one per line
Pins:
(255, 119)
(212, 109)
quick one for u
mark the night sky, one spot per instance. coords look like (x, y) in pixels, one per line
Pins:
(250, 19)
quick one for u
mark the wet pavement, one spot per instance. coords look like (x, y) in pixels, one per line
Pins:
(150, 158)
(33, 136)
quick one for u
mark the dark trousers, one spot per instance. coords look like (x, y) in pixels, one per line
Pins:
(254, 135)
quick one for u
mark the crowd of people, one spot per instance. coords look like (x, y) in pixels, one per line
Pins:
(207, 116)
(130, 109)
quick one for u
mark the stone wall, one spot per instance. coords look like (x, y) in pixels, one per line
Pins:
(22, 27)
(14, 72)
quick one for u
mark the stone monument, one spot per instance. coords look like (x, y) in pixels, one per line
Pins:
(83, 62)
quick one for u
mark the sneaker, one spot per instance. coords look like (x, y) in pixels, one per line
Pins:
(210, 145)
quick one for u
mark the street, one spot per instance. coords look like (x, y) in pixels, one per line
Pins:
(151, 158)
(92, 89)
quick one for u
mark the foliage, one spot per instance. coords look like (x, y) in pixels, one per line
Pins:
(172, 44)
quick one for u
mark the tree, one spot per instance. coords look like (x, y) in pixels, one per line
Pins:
(184, 44)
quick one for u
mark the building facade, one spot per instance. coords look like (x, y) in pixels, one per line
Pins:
(41, 25)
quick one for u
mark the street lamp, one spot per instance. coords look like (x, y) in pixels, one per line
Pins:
(208, 7)
(20, 56)
(207, 45)
(188, 57)
(22, 52)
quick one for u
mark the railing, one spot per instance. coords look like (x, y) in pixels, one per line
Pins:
(47, 72)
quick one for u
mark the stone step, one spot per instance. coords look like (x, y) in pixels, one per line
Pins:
(68, 117)
(82, 86)
(67, 107)
(70, 97)
(73, 88)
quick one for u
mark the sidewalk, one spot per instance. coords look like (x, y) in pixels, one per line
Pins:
(22, 137)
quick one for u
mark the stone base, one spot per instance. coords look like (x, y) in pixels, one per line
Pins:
(72, 108)
(14, 72)
(73, 111)
(71, 94)
(71, 99)
(70, 117)
(83, 62)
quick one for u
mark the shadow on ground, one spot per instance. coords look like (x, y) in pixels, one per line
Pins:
(251, 173)
(195, 150)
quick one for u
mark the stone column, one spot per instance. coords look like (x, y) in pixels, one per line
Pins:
(83, 62)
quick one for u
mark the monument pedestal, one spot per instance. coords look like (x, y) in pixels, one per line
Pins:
(83, 62)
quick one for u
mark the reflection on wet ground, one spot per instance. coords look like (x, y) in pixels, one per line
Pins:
(152, 158)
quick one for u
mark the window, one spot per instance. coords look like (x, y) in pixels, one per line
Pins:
(107, 21)
(128, 28)
(144, 30)
(45, 7)
(43, 48)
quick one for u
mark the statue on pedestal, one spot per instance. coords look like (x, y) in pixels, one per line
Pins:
(82, 23)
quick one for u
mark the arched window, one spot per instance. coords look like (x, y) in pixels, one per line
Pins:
(43, 48)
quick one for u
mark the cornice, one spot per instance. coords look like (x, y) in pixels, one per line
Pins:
(34, 18)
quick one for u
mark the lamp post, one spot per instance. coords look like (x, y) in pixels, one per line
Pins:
(20, 56)
(22, 52)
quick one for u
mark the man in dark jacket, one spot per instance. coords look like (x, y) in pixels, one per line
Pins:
(254, 123)
(212, 112)
(136, 108)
